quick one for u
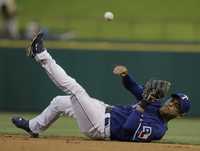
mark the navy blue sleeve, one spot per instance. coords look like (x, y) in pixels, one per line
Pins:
(131, 85)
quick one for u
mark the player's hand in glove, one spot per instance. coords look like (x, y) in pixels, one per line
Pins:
(155, 89)
(120, 70)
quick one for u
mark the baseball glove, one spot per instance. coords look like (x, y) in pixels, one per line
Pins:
(155, 89)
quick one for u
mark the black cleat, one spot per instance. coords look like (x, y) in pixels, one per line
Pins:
(23, 124)
(36, 45)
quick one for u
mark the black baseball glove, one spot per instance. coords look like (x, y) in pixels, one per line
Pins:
(155, 89)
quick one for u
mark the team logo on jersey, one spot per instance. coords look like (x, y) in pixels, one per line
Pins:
(145, 133)
(185, 97)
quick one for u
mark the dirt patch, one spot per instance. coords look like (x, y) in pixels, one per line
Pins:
(24, 143)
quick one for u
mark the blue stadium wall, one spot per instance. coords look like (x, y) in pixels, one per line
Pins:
(24, 86)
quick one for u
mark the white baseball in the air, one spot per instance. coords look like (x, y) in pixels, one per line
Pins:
(108, 16)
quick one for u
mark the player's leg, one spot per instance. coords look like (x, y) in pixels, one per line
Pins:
(90, 113)
(90, 116)
(60, 105)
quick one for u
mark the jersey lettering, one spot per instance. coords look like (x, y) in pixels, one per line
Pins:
(184, 97)
(145, 133)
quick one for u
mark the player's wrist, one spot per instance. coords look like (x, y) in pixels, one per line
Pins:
(143, 104)
(139, 108)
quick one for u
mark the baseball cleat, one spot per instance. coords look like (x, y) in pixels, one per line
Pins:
(36, 45)
(23, 124)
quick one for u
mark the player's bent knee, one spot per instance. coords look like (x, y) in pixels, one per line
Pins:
(55, 100)
(59, 104)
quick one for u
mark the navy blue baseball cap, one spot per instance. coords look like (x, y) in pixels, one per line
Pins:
(184, 101)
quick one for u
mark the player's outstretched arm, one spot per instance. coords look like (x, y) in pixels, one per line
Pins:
(128, 81)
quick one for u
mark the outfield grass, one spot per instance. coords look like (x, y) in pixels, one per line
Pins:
(181, 131)
(135, 20)
(63, 126)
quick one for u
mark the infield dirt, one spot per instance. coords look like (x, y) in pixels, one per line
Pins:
(24, 143)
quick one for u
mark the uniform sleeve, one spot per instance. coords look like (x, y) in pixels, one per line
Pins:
(131, 85)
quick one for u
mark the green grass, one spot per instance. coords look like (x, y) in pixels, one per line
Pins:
(181, 131)
(134, 19)
(62, 127)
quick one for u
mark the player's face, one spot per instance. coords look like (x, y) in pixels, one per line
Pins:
(171, 107)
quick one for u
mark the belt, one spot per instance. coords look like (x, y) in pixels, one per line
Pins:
(107, 122)
(108, 109)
